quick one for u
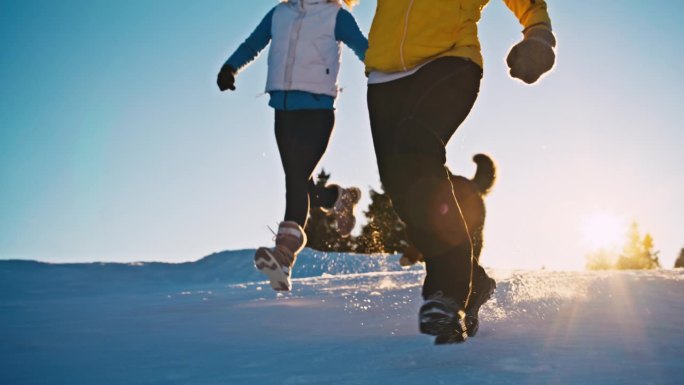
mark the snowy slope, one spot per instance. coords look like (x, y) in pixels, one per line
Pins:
(351, 319)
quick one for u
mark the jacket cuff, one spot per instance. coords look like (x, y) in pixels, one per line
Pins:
(541, 33)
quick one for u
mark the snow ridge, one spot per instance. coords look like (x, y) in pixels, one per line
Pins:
(227, 267)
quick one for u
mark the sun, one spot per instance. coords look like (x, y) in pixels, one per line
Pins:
(603, 230)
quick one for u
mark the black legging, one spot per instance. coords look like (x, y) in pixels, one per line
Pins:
(303, 137)
(412, 119)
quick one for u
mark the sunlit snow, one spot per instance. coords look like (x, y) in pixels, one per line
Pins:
(350, 319)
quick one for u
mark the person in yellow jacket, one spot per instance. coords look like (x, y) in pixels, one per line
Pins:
(424, 68)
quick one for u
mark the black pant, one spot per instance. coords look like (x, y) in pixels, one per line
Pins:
(302, 137)
(412, 119)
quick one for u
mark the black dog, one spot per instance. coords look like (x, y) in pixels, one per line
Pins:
(470, 195)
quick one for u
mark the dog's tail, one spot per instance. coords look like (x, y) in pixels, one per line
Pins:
(486, 173)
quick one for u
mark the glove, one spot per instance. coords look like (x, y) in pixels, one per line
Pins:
(533, 56)
(226, 78)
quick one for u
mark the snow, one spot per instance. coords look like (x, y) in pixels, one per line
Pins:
(350, 319)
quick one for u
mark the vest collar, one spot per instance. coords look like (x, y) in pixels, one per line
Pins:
(306, 4)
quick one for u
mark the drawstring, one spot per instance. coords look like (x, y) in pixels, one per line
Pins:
(273, 232)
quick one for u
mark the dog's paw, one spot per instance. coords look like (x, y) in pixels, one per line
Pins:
(411, 256)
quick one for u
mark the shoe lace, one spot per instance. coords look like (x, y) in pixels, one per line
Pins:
(272, 232)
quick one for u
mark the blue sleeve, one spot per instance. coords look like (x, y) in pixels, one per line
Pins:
(348, 32)
(256, 42)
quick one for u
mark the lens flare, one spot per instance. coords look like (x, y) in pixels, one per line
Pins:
(603, 230)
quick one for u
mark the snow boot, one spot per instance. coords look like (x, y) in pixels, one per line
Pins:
(276, 262)
(483, 288)
(442, 317)
(343, 209)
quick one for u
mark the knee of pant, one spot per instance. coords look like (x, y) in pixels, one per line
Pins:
(432, 214)
(416, 153)
(415, 139)
(446, 218)
(412, 199)
(411, 175)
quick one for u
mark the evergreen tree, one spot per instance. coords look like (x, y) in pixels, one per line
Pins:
(383, 232)
(650, 255)
(680, 261)
(638, 253)
(319, 230)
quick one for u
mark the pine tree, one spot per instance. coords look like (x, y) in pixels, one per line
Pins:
(680, 261)
(638, 253)
(384, 232)
(650, 256)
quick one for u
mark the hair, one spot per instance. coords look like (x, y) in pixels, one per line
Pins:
(349, 3)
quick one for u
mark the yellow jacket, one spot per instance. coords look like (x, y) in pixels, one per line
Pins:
(406, 33)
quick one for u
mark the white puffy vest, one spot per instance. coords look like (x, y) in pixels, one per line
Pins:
(304, 54)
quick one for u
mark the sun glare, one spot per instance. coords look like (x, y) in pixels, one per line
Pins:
(603, 230)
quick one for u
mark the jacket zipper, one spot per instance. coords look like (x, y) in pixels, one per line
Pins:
(403, 38)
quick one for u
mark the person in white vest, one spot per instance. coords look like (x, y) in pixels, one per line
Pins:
(303, 65)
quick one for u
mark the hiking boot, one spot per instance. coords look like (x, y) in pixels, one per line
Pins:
(343, 210)
(483, 288)
(442, 317)
(276, 262)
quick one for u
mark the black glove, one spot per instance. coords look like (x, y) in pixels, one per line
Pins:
(226, 78)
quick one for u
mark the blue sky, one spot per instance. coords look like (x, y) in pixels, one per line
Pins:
(116, 145)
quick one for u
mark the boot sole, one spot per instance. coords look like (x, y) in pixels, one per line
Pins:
(436, 325)
(344, 233)
(447, 330)
(266, 263)
(454, 336)
(446, 327)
